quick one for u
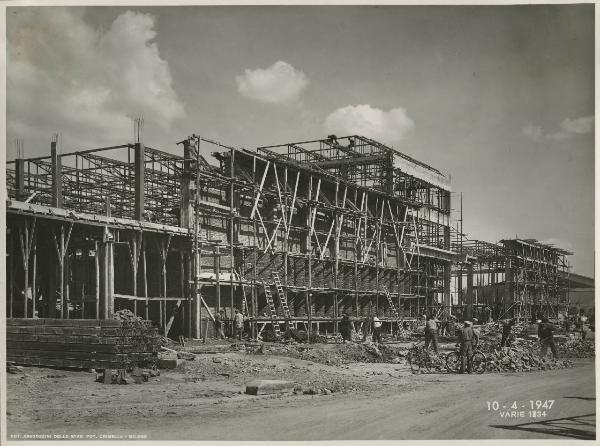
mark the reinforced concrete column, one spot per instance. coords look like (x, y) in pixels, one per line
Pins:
(469, 303)
(57, 189)
(20, 179)
(447, 279)
(139, 171)
(508, 285)
(108, 279)
(186, 211)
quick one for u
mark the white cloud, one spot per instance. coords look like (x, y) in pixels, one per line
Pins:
(534, 132)
(578, 125)
(385, 126)
(64, 75)
(569, 128)
(280, 83)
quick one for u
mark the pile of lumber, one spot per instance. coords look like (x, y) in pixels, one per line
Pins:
(82, 343)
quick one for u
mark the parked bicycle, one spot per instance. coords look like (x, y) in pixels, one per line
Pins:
(478, 361)
(420, 358)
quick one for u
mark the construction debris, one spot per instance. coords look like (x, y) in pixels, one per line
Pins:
(338, 354)
(577, 348)
(126, 315)
(523, 356)
(13, 369)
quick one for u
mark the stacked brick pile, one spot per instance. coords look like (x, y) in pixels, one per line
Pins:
(82, 343)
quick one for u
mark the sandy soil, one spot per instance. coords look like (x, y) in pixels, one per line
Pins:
(363, 401)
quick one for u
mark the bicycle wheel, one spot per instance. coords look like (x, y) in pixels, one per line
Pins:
(426, 362)
(413, 359)
(478, 362)
(453, 362)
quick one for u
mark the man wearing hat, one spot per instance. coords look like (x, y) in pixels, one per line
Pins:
(431, 333)
(507, 325)
(466, 337)
(546, 336)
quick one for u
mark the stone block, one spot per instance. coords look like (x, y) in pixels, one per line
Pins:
(169, 363)
(268, 387)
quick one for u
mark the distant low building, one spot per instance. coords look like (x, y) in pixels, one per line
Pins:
(581, 292)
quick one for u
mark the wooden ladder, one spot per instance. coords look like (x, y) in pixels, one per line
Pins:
(282, 297)
(392, 306)
(274, 319)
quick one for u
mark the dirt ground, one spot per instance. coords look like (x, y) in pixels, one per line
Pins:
(349, 400)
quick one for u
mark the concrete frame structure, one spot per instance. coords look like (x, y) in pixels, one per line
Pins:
(89, 234)
(174, 238)
(521, 278)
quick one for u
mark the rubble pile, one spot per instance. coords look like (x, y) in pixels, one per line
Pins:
(317, 338)
(336, 354)
(523, 356)
(295, 335)
(126, 315)
(491, 328)
(577, 348)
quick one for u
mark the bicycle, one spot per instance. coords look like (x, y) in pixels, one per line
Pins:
(418, 357)
(478, 361)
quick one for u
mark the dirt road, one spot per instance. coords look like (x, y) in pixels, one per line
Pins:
(436, 406)
(452, 407)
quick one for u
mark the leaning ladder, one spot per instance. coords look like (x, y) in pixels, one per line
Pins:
(392, 306)
(274, 320)
(282, 297)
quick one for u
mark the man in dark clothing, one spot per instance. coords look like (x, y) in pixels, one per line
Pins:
(431, 333)
(219, 325)
(546, 336)
(466, 338)
(346, 328)
(488, 315)
(507, 325)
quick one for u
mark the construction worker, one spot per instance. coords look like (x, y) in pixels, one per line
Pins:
(219, 334)
(476, 332)
(238, 324)
(346, 328)
(465, 341)
(507, 325)
(488, 315)
(431, 333)
(581, 323)
(376, 329)
(546, 336)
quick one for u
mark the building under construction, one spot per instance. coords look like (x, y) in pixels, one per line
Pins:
(299, 233)
(521, 278)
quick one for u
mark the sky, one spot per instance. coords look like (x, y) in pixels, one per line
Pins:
(499, 98)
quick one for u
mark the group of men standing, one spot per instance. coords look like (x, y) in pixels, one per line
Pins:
(237, 326)
(468, 338)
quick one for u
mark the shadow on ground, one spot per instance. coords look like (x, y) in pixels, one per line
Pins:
(581, 427)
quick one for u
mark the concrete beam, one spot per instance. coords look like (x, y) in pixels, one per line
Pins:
(351, 161)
